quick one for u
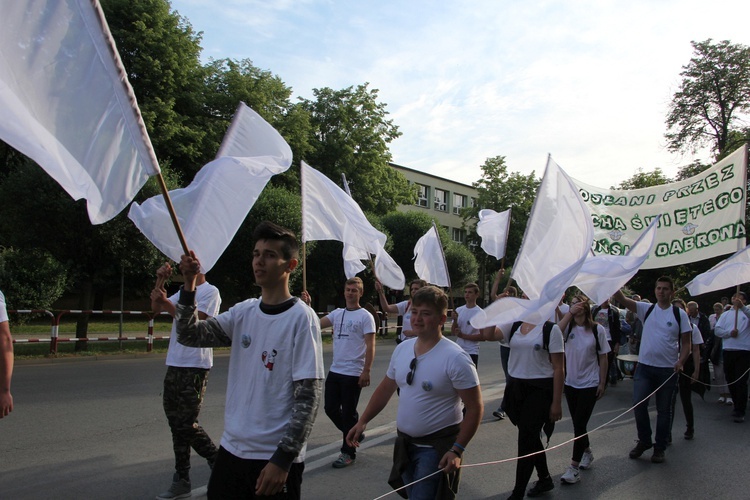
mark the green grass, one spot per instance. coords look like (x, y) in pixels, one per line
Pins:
(97, 325)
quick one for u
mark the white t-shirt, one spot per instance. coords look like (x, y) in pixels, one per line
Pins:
(464, 316)
(404, 310)
(725, 325)
(696, 338)
(528, 359)
(660, 338)
(269, 352)
(431, 402)
(349, 348)
(581, 358)
(208, 301)
(3, 309)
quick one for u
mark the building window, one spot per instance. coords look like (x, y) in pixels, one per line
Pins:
(458, 235)
(441, 200)
(459, 203)
(423, 195)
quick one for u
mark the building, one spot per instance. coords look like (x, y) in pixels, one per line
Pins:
(442, 198)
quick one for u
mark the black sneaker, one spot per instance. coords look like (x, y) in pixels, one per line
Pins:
(499, 414)
(639, 449)
(689, 433)
(739, 418)
(541, 486)
(658, 456)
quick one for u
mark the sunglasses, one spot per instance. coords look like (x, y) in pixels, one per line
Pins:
(413, 368)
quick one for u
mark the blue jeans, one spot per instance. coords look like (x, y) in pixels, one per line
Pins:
(645, 381)
(423, 461)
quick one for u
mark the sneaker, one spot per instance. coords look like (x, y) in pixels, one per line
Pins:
(180, 489)
(689, 433)
(722, 400)
(344, 460)
(541, 486)
(639, 449)
(729, 402)
(571, 475)
(739, 418)
(586, 460)
(499, 414)
(658, 456)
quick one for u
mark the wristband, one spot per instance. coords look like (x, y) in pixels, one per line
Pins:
(455, 453)
(459, 447)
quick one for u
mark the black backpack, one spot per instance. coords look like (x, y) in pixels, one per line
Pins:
(675, 310)
(596, 337)
(546, 331)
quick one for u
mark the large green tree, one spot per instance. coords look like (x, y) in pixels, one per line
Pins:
(350, 134)
(712, 98)
(642, 179)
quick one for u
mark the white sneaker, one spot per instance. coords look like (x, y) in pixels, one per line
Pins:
(586, 460)
(571, 475)
(729, 402)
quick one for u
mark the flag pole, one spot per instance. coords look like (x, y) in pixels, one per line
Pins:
(302, 205)
(172, 213)
(445, 262)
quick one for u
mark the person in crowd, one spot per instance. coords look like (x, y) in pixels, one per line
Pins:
(734, 329)
(509, 291)
(608, 316)
(434, 376)
(533, 395)
(689, 376)
(402, 308)
(353, 354)
(185, 382)
(586, 351)
(467, 336)
(717, 358)
(665, 346)
(6, 360)
(275, 372)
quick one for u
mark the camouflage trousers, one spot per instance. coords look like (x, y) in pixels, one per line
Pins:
(184, 389)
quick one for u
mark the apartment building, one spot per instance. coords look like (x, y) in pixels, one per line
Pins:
(442, 198)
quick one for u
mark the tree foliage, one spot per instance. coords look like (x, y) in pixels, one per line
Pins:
(350, 134)
(642, 179)
(712, 97)
(31, 279)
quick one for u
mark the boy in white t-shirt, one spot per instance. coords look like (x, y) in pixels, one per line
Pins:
(434, 376)
(185, 382)
(353, 354)
(275, 372)
(467, 336)
(6, 361)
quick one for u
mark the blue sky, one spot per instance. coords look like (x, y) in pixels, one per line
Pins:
(588, 82)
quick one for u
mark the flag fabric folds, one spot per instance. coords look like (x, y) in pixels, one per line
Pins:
(328, 213)
(212, 208)
(558, 237)
(67, 103)
(728, 273)
(493, 229)
(602, 275)
(429, 262)
(353, 258)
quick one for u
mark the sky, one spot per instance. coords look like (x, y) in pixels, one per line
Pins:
(588, 82)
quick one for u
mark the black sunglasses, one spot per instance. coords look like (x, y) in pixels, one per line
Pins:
(413, 368)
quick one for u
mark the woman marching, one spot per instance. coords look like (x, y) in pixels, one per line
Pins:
(586, 349)
(533, 395)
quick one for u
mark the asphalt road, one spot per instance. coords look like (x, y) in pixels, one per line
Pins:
(96, 429)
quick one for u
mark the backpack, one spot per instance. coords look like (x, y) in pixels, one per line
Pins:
(675, 310)
(596, 337)
(546, 331)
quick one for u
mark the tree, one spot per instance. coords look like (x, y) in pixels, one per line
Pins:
(350, 134)
(642, 179)
(713, 95)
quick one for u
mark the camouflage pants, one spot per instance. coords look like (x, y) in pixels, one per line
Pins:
(184, 389)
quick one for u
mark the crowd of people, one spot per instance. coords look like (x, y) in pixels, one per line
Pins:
(276, 348)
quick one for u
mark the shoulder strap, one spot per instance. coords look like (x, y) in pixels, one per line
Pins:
(513, 329)
(676, 311)
(651, 308)
(546, 332)
(596, 338)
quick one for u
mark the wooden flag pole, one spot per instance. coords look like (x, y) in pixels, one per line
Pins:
(172, 213)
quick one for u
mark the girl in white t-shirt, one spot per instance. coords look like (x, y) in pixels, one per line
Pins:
(585, 377)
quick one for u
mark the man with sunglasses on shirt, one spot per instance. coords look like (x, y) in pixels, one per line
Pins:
(434, 376)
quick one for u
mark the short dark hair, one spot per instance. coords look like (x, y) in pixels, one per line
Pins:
(431, 296)
(267, 230)
(419, 282)
(473, 286)
(743, 294)
(666, 279)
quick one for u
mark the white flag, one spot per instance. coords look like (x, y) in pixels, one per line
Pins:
(558, 237)
(728, 273)
(602, 275)
(212, 208)
(493, 229)
(328, 213)
(429, 262)
(67, 103)
(353, 258)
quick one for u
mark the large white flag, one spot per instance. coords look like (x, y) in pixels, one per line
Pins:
(728, 273)
(353, 258)
(212, 208)
(555, 246)
(493, 229)
(602, 275)
(429, 260)
(67, 104)
(328, 213)
(701, 217)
